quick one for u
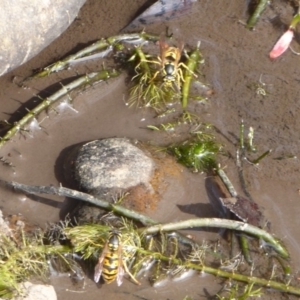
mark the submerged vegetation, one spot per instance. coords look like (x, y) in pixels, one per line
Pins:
(163, 80)
(161, 253)
(24, 258)
(200, 155)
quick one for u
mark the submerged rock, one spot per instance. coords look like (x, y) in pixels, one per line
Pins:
(229, 207)
(37, 292)
(27, 27)
(111, 166)
(4, 226)
(10, 227)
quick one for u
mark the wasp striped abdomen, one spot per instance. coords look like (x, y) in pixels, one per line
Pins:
(110, 264)
(110, 267)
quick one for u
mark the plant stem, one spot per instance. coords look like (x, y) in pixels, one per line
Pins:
(227, 182)
(65, 192)
(102, 44)
(231, 275)
(142, 62)
(118, 209)
(256, 14)
(220, 223)
(295, 20)
(256, 161)
(245, 248)
(191, 65)
(242, 131)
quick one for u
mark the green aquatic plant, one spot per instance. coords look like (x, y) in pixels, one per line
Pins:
(260, 7)
(200, 152)
(150, 86)
(148, 91)
(186, 118)
(29, 121)
(90, 239)
(242, 227)
(192, 62)
(199, 155)
(234, 292)
(155, 226)
(160, 253)
(25, 257)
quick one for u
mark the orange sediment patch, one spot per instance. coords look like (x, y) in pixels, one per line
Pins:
(142, 198)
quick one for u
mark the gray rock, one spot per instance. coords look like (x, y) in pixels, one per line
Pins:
(109, 166)
(37, 292)
(4, 228)
(29, 290)
(27, 27)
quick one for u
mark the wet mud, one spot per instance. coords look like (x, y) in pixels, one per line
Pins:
(247, 86)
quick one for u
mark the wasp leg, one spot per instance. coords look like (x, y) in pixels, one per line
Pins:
(154, 76)
(180, 77)
(158, 62)
(187, 68)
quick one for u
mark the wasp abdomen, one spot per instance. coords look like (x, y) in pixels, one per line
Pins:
(110, 267)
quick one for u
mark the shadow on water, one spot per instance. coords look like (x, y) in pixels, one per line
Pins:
(199, 210)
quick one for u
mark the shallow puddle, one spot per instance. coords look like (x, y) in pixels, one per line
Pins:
(236, 67)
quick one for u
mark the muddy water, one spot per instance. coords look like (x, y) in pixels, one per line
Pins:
(235, 60)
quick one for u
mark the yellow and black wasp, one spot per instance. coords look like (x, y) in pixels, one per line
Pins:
(110, 264)
(169, 61)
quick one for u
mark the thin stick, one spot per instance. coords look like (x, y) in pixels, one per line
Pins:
(118, 209)
(256, 161)
(65, 192)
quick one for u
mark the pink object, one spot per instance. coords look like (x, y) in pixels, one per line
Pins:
(282, 44)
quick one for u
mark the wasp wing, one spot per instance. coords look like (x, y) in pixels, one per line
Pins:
(163, 46)
(120, 275)
(98, 271)
(121, 271)
(99, 266)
